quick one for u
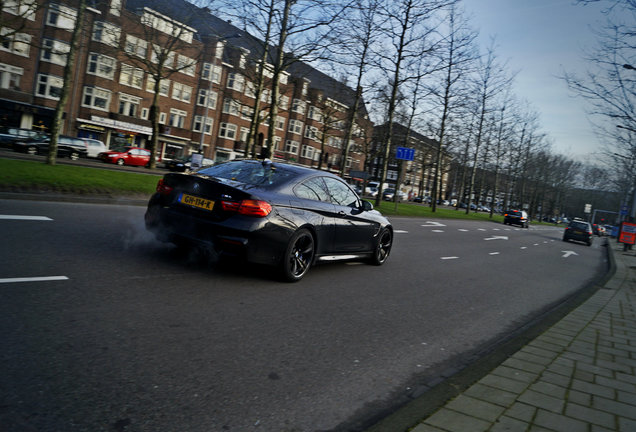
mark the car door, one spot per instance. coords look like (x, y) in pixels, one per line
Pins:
(354, 230)
(313, 205)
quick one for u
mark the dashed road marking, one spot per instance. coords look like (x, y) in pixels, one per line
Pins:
(33, 279)
(23, 217)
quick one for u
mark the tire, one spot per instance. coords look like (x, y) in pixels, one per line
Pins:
(74, 155)
(120, 162)
(382, 247)
(299, 256)
(32, 150)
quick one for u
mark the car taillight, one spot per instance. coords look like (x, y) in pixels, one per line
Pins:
(248, 207)
(163, 188)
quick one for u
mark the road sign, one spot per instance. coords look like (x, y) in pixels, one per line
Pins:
(628, 233)
(588, 208)
(405, 153)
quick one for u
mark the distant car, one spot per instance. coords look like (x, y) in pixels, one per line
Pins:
(418, 199)
(134, 156)
(516, 217)
(579, 230)
(94, 147)
(67, 146)
(181, 165)
(389, 194)
(9, 135)
(278, 214)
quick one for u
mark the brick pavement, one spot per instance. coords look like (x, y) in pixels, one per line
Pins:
(579, 375)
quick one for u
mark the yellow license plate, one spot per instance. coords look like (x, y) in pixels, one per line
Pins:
(195, 201)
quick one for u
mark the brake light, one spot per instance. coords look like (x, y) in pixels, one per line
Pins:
(248, 207)
(163, 188)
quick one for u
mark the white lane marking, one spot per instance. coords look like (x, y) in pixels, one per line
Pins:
(33, 279)
(449, 258)
(481, 229)
(433, 224)
(462, 230)
(524, 247)
(400, 232)
(493, 253)
(22, 217)
(497, 238)
(568, 253)
(437, 230)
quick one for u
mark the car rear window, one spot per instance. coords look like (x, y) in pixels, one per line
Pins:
(252, 173)
(579, 225)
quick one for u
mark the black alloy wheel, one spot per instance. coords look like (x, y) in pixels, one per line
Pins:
(383, 247)
(299, 255)
(32, 150)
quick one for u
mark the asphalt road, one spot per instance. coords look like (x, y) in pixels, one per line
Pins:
(123, 333)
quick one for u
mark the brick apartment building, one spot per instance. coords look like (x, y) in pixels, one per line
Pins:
(205, 103)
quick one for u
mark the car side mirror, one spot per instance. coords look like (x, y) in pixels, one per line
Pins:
(366, 206)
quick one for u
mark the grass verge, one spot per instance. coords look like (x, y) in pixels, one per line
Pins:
(30, 176)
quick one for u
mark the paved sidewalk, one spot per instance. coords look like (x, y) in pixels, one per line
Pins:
(580, 375)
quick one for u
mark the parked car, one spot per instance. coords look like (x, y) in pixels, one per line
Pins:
(389, 194)
(516, 217)
(94, 147)
(135, 156)
(67, 146)
(183, 164)
(579, 230)
(277, 214)
(9, 135)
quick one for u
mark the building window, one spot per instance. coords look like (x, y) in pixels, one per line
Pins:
(101, 66)
(129, 105)
(131, 76)
(230, 106)
(144, 113)
(250, 90)
(227, 130)
(167, 56)
(96, 98)
(106, 33)
(136, 46)
(280, 122)
(10, 76)
(17, 43)
(299, 106)
(115, 7)
(244, 133)
(315, 113)
(186, 65)
(235, 81)
(266, 95)
(335, 142)
(198, 120)
(62, 17)
(311, 132)
(177, 118)
(182, 92)
(291, 146)
(23, 8)
(308, 152)
(54, 51)
(295, 126)
(162, 118)
(247, 112)
(211, 72)
(49, 86)
(164, 86)
(207, 96)
(283, 103)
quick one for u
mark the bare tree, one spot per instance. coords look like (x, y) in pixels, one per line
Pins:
(60, 107)
(407, 23)
(457, 54)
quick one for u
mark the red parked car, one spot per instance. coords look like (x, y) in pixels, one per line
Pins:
(136, 156)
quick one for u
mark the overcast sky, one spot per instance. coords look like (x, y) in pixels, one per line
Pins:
(540, 39)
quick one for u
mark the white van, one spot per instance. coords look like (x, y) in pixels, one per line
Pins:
(372, 188)
(94, 147)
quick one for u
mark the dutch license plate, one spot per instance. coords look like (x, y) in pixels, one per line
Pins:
(197, 202)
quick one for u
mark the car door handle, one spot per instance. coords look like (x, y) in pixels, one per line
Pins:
(341, 213)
